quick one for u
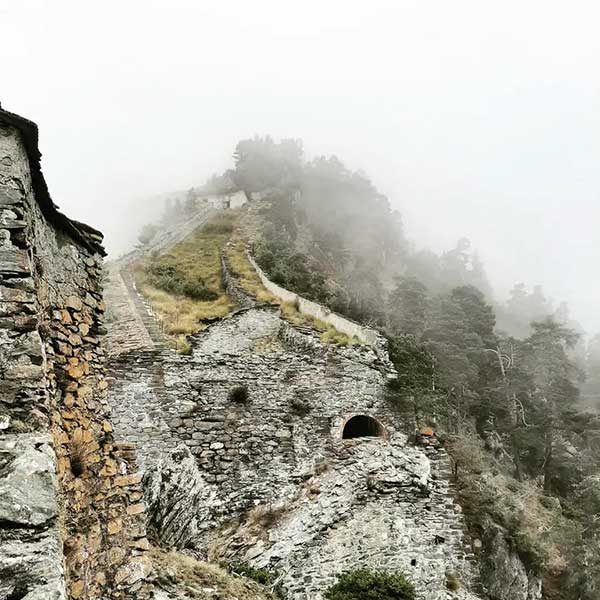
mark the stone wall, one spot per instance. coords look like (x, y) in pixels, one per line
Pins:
(317, 311)
(71, 522)
(381, 503)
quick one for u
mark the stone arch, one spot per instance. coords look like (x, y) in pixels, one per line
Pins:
(359, 426)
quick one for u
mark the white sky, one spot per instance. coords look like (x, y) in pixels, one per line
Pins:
(477, 118)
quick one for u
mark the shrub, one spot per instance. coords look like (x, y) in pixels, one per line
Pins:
(218, 228)
(321, 468)
(167, 277)
(264, 517)
(239, 394)
(261, 576)
(300, 406)
(364, 584)
(197, 290)
(452, 582)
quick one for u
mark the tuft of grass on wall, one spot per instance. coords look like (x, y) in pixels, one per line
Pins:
(333, 336)
(329, 334)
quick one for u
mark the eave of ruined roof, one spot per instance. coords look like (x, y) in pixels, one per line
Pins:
(87, 236)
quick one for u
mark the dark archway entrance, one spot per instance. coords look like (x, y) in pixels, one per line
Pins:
(362, 426)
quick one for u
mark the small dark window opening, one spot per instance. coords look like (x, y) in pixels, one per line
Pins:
(362, 426)
(413, 562)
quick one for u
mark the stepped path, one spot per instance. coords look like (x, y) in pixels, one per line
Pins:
(137, 350)
(130, 322)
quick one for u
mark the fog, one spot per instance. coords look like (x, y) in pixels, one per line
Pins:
(476, 119)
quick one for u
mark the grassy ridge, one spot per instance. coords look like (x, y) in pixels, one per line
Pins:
(184, 286)
(248, 278)
(195, 259)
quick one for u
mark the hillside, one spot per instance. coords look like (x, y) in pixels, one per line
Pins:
(507, 407)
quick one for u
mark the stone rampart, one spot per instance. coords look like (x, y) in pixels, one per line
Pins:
(317, 311)
(263, 409)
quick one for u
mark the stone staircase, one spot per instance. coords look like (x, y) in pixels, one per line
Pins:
(132, 325)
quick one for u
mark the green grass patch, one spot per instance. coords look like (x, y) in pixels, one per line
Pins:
(183, 286)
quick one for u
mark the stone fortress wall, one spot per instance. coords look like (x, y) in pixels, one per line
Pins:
(317, 311)
(261, 405)
(71, 515)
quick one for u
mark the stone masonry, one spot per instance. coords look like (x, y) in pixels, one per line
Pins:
(71, 511)
(262, 406)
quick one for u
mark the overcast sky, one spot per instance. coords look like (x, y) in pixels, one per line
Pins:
(477, 118)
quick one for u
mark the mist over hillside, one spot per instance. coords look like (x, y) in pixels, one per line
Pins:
(511, 387)
(345, 340)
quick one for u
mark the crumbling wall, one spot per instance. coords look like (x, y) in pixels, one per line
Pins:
(296, 395)
(317, 311)
(337, 503)
(72, 499)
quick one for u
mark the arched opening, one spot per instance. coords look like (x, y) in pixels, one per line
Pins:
(362, 426)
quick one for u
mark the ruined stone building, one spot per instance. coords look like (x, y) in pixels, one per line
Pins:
(264, 422)
(71, 522)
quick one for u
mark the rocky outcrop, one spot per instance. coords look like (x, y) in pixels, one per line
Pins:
(178, 499)
(380, 504)
(30, 547)
(503, 573)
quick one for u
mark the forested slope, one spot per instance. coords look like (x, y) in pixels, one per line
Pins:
(504, 385)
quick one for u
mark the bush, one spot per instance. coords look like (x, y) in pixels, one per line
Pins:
(168, 278)
(197, 290)
(239, 394)
(452, 582)
(218, 228)
(261, 576)
(364, 584)
(300, 406)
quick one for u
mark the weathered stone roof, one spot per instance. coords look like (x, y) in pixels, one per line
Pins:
(84, 234)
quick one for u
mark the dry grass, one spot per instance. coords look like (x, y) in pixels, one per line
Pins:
(329, 334)
(78, 454)
(290, 313)
(248, 278)
(201, 580)
(263, 517)
(535, 523)
(452, 582)
(333, 336)
(199, 258)
(321, 468)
